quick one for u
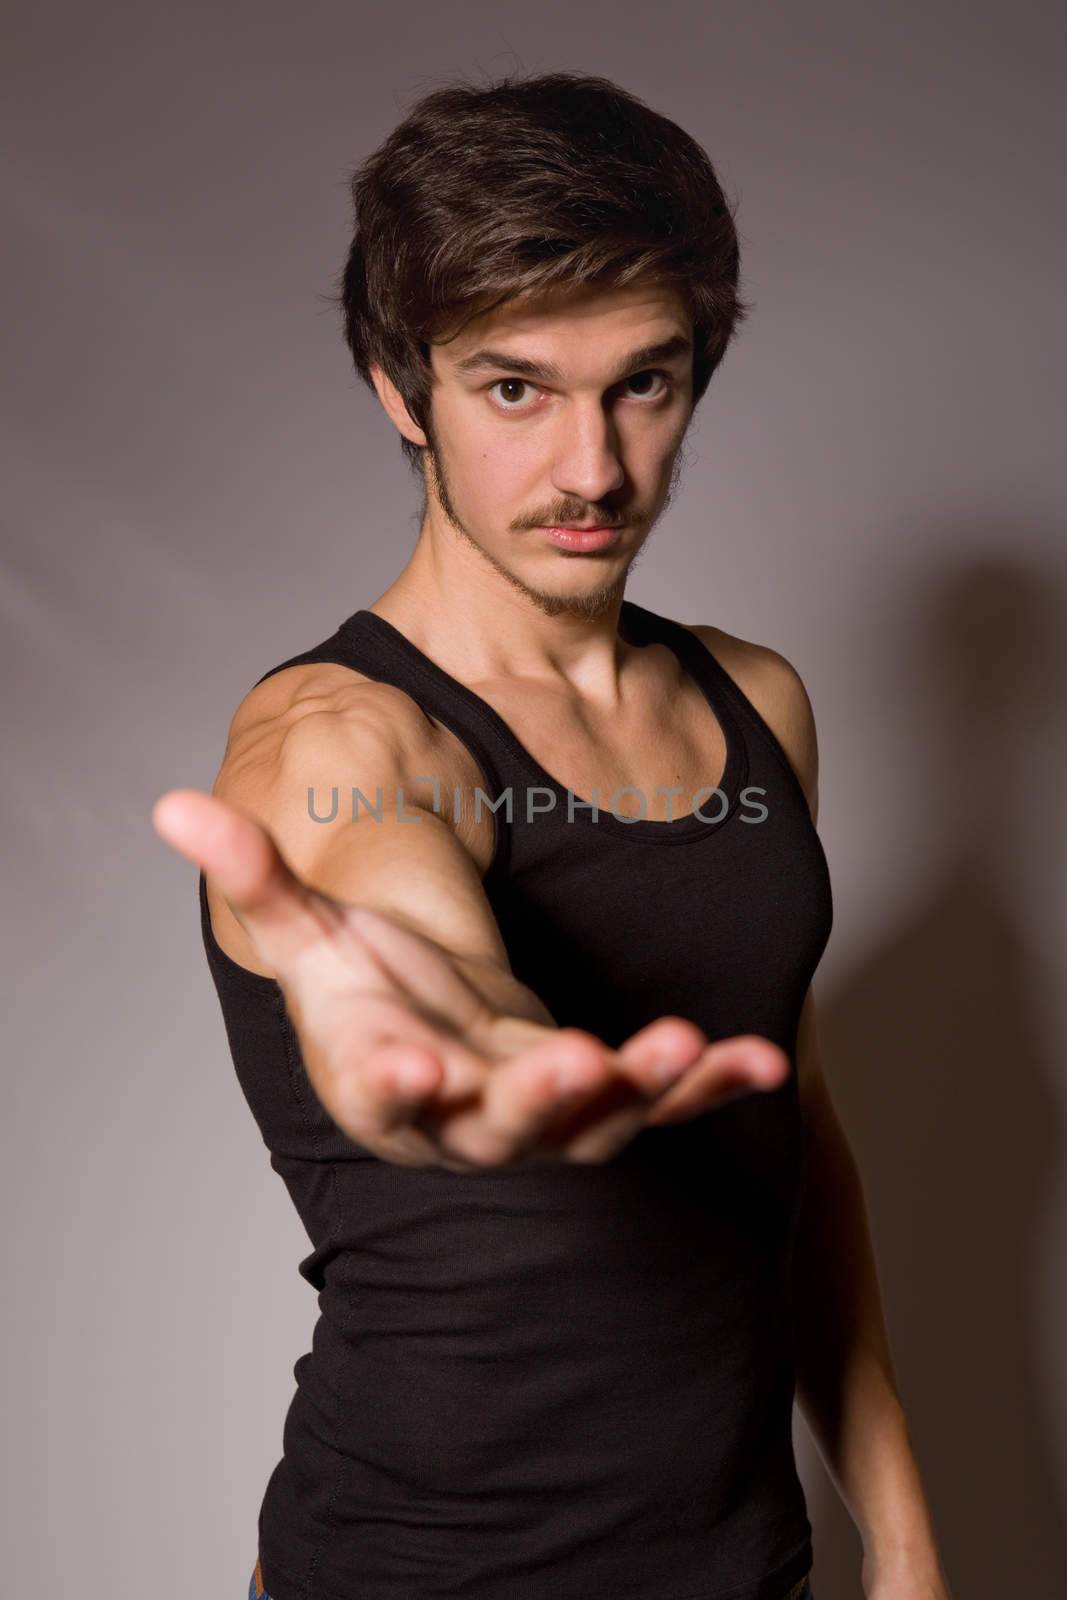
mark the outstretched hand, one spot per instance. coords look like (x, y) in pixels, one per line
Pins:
(414, 1052)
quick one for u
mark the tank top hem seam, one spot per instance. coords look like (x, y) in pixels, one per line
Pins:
(744, 1592)
(758, 1586)
(257, 982)
(331, 1528)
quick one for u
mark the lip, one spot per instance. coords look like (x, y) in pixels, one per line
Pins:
(582, 539)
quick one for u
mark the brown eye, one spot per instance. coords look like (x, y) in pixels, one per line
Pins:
(643, 377)
(509, 398)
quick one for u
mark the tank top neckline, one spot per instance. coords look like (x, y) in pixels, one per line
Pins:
(637, 625)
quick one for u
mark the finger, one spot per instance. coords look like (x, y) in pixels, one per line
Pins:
(353, 1033)
(600, 1139)
(657, 1055)
(388, 1090)
(381, 1107)
(643, 1068)
(598, 1118)
(726, 1070)
(523, 1096)
(283, 917)
(722, 1071)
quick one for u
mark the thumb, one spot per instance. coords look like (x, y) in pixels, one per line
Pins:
(281, 914)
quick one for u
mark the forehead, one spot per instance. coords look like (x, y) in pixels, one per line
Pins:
(574, 329)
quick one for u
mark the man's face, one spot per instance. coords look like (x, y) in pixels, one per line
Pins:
(563, 411)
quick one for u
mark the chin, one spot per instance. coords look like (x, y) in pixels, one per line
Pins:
(579, 603)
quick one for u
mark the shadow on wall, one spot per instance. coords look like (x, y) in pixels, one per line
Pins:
(941, 1055)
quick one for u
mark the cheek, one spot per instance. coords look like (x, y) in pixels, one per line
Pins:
(651, 446)
(507, 461)
(495, 468)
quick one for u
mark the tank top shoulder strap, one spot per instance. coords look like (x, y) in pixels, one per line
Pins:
(640, 624)
(367, 644)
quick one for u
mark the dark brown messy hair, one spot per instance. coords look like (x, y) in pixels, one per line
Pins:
(529, 184)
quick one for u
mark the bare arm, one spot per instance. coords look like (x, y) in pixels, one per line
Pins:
(846, 1384)
(416, 1036)
(329, 732)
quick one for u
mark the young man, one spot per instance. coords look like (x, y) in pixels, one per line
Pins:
(513, 897)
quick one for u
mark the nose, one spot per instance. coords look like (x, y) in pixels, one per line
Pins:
(588, 462)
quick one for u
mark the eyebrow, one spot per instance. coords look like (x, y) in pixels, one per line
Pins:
(548, 372)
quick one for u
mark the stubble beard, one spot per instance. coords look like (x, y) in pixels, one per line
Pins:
(588, 603)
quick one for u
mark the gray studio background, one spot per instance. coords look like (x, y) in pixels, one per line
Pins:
(198, 487)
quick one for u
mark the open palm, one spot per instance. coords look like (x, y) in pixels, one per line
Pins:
(420, 1062)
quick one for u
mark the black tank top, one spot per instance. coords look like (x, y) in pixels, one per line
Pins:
(566, 1381)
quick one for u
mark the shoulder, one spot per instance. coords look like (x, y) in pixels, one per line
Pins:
(776, 689)
(322, 725)
(295, 737)
(311, 715)
(303, 739)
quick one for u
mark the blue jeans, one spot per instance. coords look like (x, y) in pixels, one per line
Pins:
(256, 1590)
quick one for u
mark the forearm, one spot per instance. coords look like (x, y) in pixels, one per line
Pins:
(846, 1384)
(421, 878)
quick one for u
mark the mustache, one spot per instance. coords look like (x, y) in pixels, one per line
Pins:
(558, 518)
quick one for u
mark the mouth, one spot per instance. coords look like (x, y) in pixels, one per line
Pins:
(582, 540)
